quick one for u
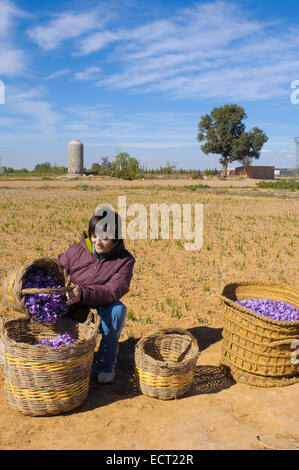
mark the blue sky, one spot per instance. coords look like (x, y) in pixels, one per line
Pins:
(136, 76)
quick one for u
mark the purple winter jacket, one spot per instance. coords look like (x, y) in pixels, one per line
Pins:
(104, 278)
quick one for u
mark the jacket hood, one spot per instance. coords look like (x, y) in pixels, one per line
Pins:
(116, 249)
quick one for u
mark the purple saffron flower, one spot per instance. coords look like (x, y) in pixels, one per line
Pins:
(46, 308)
(274, 309)
(61, 340)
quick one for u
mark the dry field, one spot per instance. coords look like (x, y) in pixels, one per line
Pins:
(249, 234)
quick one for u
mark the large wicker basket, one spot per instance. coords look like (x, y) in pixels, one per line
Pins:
(41, 380)
(12, 286)
(165, 362)
(259, 351)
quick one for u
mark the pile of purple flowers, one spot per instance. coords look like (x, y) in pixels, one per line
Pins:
(46, 308)
(61, 340)
(274, 309)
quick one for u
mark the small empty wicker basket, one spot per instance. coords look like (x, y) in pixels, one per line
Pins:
(41, 380)
(165, 362)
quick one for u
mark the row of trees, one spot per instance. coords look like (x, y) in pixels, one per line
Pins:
(126, 167)
(123, 166)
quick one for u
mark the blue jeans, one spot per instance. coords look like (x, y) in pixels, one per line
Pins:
(112, 322)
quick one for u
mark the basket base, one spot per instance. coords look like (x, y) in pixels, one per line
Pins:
(241, 376)
(162, 394)
(43, 409)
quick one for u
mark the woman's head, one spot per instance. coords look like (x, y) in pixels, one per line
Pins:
(104, 228)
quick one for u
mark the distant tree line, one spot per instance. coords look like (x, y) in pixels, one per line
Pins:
(8, 170)
(126, 167)
(123, 166)
(40, 168)
(50, 169)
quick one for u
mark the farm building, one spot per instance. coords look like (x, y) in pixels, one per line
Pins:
(283, 172)
(259, 172)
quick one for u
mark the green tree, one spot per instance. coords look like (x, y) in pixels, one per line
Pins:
(104, 168)
(125, 167)
(96, 167)
(106, 165)
(223, 132)
(169, 169)
(9, 170)
(59, 170)
(43, 168)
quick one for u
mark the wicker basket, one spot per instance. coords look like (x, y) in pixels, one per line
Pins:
(41, 380)
(256, 349)
(12, 286)
(165, 363)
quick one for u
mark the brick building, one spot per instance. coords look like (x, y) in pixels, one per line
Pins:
(256, 172)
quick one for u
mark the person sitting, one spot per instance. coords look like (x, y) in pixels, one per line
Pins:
(101, 269)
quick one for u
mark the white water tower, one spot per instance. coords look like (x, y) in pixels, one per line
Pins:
(75, 158)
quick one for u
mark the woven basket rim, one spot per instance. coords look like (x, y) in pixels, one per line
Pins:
(14, 282)
(247, 311)
(194, 350)
(42, 347)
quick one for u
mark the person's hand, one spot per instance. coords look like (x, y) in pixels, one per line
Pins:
(74, 295)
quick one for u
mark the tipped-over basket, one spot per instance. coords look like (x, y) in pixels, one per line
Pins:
(42, 380)
(165, 362)
(258, 350)
(13, 284)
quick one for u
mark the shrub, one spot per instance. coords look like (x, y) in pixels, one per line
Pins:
(291, 184)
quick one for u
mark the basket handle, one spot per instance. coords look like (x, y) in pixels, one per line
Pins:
(1, 325)
(283, 341)
(93, 316)
(57, 290)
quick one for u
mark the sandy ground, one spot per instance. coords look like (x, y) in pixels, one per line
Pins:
(216, 414)
(171, 287)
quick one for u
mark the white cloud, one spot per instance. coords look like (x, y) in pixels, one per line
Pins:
(29, 105)
(13, 60)
(57, 74)
(209, 51)
(68, 25)
(9, 11)
(88, 74)
(96, 41)
(158, 145)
